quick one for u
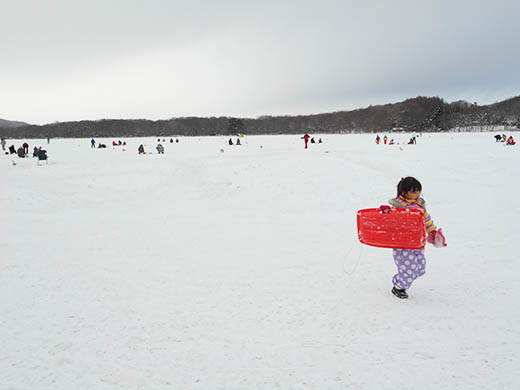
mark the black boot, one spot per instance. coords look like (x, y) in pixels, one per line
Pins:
(399, 293)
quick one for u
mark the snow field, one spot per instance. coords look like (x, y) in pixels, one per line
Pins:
(240, 269)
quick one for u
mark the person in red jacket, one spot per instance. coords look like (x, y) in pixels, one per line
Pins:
(306, 139)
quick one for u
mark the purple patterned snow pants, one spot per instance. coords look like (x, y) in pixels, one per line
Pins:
(410, 264)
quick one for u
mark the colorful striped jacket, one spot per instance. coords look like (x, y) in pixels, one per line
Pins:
(401, 203)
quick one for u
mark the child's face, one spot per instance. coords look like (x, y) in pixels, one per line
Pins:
(413, 195)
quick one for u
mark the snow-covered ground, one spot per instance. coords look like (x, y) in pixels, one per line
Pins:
(202, 269)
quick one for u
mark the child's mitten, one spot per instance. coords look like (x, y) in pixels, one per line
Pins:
(384, 208)
(437, 239)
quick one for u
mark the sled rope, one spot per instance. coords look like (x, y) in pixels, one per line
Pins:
(347, 260)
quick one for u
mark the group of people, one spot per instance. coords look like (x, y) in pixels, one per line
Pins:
(140, 149)
(23, 150)
(306, 138)
(385, 140)
(412, 141)
(230, 141)
(100, 145)
(503, 138)
(171, 140)
(159, 148)
(103, 146)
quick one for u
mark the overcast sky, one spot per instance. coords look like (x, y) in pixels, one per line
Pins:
(158, 59)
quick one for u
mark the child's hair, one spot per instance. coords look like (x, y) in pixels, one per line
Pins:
(408, 184)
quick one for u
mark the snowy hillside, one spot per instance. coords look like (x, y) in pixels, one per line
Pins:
(202, 269)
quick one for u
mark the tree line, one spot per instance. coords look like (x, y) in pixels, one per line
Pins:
(420, 114)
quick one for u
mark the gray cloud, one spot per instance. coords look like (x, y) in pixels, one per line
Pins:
(67, 60)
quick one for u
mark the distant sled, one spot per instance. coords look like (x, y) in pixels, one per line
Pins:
(392, 228)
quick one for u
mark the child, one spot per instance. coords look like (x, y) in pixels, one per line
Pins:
(411, 263)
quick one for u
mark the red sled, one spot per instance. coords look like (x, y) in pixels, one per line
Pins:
(392, 228)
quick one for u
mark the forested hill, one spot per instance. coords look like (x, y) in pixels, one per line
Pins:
(422, 114)
(5, 123)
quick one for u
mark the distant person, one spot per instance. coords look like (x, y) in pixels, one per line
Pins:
(230, 141)
(140, 149)
(3, 144)
(385, 139)
(320, 141)
(48, 140)
(378, 139)
(177, 140)
(498, 138)
(160, 149)
(119, 142)
(313, 141)
(12, 150)
(504, 138)
(510, 141)
(21, 152)
(35, 151)
(114, 143)
(92, 143)
(101, 146)
(238, 141)
(171, 140)
(306, 139)
(391, 142)
(26, 147)
(42, 156)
